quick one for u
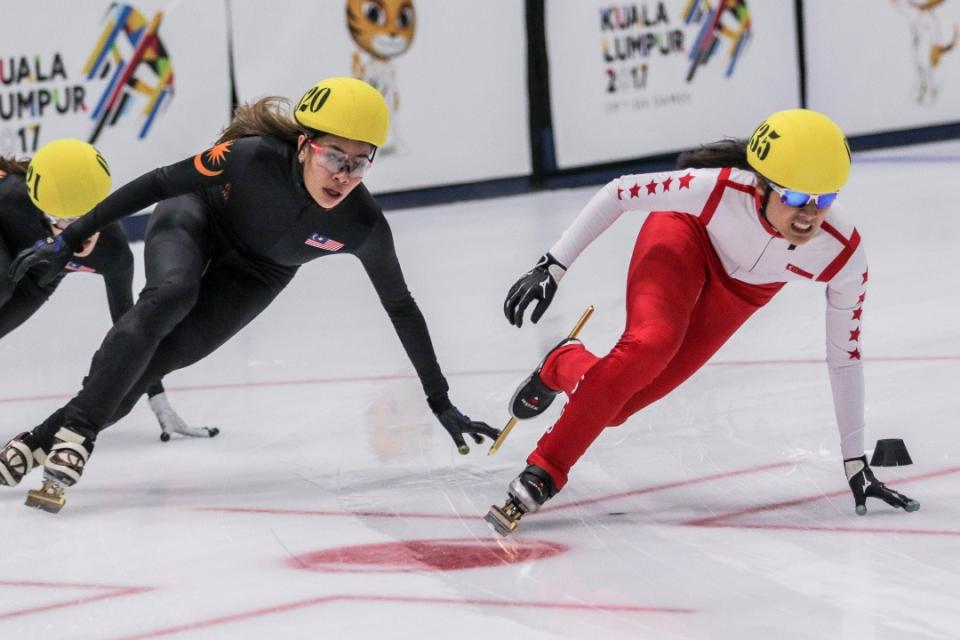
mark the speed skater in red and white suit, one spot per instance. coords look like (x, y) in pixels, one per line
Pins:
(721, 240)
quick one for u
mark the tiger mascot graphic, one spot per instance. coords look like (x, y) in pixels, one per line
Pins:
(382, 31)
(931, 40)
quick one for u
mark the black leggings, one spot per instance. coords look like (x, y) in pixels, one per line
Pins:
(198, 295)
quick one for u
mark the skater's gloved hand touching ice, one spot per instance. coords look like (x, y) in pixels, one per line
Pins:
(540, 283)
(865, 485)
(458, 424)
(49, 256)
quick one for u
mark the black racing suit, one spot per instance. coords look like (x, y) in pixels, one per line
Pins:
(21, 225)
(233, 226)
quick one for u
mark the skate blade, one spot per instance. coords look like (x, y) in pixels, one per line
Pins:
(503, 436)
(49, 502)
(500, 522)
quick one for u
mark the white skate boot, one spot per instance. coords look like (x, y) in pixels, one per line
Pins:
(19, 457)
(65, 463)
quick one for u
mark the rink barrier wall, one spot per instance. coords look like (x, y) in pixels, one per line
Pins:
(527, 112)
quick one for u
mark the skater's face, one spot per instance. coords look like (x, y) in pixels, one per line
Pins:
(333, 166)
(57, 225)
(796, 224)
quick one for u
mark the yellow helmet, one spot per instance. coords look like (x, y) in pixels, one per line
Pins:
(800, 150)
(345, 107)
(67, 178)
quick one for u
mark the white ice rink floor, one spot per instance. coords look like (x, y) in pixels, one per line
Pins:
(333, 505)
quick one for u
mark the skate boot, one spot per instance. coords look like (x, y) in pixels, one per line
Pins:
(533, 397)
(171, 422)
(19, 457)
(526, 494)
(63, 468)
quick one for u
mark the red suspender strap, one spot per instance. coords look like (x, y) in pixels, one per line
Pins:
(714, 200)
(849, 246)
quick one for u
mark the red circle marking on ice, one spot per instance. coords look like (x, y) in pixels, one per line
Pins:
(426, 555)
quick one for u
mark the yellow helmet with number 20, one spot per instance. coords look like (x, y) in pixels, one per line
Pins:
(345, 107)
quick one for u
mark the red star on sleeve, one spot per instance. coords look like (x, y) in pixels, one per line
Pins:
(651, 187)
(685, 181)
(635, 191)
(619, 192)
(855, 335)
(855, 354)
(667, 183)
(856, 313)
(864, 277)
(863, 296)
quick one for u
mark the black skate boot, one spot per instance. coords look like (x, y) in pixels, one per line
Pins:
(533, 397)
(19, 457)
(526, 494)
(63, 468)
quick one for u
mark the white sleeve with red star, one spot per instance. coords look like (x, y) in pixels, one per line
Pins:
(846, 293)
(686, 190)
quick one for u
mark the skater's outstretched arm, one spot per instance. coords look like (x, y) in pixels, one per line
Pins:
(18, 301)
(223, 163)
(684, 190)
(379, 259)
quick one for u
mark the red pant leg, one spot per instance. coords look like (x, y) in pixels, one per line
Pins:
(666, 274)
(724, 305)
(564, 368)
(681, 307)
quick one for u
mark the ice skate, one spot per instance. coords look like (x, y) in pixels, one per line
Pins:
(47, 498)
(18, 458)
(63, 468)
(526, 494)
(171, 422)
(533, 397)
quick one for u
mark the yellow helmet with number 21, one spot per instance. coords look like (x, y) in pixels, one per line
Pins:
(67, 178)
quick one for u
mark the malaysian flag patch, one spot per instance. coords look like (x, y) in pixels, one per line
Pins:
(323, 242)
(74, 266)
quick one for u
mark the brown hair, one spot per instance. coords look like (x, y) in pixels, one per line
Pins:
(724, 153)
(13, 166)
(269, 116)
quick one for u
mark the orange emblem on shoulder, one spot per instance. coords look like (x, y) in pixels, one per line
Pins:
(206, 162)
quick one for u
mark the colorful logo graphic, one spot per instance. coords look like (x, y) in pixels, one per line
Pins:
(206, 163)
(129, 53)
(382, 31)
(929, 41)
(636, 37)
(729, 20)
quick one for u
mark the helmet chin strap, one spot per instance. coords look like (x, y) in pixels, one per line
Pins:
(763, 206)
(300, 162)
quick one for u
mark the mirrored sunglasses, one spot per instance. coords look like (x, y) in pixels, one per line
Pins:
(798, 199)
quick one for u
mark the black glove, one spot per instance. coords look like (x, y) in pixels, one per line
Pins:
(540, 283)
(458, 424)
(865, 485)
(51, 254)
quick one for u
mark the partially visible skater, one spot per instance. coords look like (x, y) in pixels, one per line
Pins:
(737, 221)
(74, 178)
(233, 226)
